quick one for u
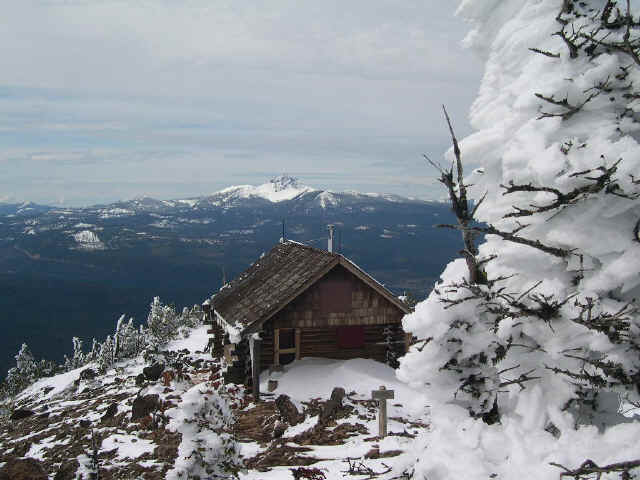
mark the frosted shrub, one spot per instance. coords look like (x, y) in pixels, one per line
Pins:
(206, 450)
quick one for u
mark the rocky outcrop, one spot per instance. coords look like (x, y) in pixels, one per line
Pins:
(143, 406)
(21, 413)
(23, 469)
(333, 405)
(288, 411)
(153, 372)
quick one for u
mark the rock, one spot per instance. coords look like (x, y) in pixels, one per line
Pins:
(23, 469)
(279, 429)
(153, 372)
(110, 412)
(21, 413)
(338, 394)
(143, 406)
(84, 423)
(22, 448)
(333, 404)
(67, 470)
(88, 374)
(140, 379)
(288, 411)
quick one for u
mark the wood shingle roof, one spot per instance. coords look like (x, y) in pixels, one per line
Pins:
(276, 279)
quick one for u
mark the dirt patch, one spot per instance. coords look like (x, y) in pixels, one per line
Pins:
(256, 424)
(279, 453)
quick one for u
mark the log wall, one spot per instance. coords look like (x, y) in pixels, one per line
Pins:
(317, 321)
(313, 308)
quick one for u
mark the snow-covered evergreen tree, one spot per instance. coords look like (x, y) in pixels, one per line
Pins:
(23, 374)
(544, 308)
(106, 356)
(162, 323)
(536, 329)
(78, 359)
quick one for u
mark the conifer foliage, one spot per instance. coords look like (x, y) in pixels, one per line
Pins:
(546, 305)
(163, 325)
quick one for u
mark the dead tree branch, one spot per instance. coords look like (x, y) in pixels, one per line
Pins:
(512, 237)
(589, 467)
(604, 182)
(453, 180)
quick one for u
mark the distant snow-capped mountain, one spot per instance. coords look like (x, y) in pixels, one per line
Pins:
(279, 190)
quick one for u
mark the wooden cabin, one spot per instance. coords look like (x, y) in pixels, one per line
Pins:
(297, 301)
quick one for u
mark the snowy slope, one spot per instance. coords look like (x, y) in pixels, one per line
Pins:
(196, 427)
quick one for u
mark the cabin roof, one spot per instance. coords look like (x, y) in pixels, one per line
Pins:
(279, 277)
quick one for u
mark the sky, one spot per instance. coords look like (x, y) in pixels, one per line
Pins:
(104, 100)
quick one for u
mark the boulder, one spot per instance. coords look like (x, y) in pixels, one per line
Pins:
(21, 413)
(23, 469)
(288, 411)
(140, 379)
(333, 404)
(67, 470)
(88, 374)
(279, 429)
(110, 411)
(84, 423)
(143, 406)
(153, 372)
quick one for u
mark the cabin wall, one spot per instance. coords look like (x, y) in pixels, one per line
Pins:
(338, 299)
(320, 314)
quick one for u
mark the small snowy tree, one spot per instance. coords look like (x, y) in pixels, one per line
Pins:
(162, 323)
(78, 359)
(548, 299)
(23, 374)
(106, 355)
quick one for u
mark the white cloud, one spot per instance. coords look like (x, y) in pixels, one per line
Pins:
(309, 85)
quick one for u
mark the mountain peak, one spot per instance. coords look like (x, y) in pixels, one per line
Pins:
(284, 182)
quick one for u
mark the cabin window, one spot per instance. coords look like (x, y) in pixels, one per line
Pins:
(335, 296)
(351, 337)
(286, 346)
(287, 338)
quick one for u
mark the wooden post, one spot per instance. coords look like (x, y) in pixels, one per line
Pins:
(276, 347)
(256, 344)
(297, 344)
(382, 396)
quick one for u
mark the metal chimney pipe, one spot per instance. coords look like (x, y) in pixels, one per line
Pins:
(330, 246)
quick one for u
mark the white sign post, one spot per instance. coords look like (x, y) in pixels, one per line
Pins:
(382, 396)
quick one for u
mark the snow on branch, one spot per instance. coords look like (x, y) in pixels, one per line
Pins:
(604, 182)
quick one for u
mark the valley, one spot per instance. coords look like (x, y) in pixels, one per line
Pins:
(73, 271)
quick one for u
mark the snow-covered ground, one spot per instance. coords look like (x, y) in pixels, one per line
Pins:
(312, 379)
(197, 414)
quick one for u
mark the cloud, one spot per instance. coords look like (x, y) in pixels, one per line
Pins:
(222, 88)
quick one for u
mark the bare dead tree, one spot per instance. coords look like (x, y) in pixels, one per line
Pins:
(453, 179)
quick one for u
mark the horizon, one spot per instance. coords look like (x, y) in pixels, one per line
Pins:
(443, 199)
